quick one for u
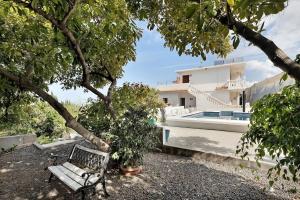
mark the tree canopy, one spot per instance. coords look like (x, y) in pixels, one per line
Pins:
(95, 116)
(76, 43)
(33, 44)
(198, 27)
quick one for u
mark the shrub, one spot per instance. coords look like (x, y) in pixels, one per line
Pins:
(275, 130)
(133, 135)
(96, 118)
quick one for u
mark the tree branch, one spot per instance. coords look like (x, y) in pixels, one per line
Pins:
(111, 88)
(38, 11)
(274, 53)
(95, 91)
(70, 120)
(67, 33)
(75, 45)
(109, 98)
(102, 75)
(72, 5)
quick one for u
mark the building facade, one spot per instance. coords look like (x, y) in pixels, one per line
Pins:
(217, 87)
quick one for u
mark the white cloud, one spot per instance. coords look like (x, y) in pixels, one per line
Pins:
(282, 28)
(259, 70)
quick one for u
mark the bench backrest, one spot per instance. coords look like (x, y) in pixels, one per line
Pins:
(93, 159)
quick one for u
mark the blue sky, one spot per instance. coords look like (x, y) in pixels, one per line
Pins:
(157, 64)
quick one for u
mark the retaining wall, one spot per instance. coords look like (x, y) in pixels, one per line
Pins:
(19, 140)
(239, 126)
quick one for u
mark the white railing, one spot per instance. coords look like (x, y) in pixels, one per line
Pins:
(175, 111)
(208, 100)
(236, 84)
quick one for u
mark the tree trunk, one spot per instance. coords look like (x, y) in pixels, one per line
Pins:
(275, 54)
(70, 120)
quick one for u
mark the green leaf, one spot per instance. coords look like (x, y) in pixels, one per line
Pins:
(231, 2)
(203, 56)
(236, 42)
(284, 77)
(190, 11)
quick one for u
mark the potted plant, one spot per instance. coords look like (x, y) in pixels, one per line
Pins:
(133, 135)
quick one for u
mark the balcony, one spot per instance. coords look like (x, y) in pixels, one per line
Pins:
(236, 84)
(233, 85)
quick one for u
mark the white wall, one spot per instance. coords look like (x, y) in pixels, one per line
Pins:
(171, 96)
(174, 98)
(223, 95)
(190, 100)
(208, 78)
(267, 86)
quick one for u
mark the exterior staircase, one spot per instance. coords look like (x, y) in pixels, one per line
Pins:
(205, 101)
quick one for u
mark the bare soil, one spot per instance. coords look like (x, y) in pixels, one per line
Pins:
(22, 176)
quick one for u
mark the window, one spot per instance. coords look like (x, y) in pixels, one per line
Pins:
(191, 99)
(165, 100)
(185, 78)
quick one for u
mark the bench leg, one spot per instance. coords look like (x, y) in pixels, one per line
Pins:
(51, 176)
(104, 188)
(94, 191)
(82, 194)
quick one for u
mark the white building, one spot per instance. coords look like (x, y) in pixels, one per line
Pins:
(270, 85)
(217, 87)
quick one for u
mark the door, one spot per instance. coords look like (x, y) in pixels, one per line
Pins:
(241, 99)
(182, 102)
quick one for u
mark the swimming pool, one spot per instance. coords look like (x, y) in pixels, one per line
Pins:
(227, 115)
(219, 120)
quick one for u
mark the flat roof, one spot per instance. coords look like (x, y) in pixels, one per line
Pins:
(231, 65)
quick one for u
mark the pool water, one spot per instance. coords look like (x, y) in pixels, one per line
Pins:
(229, 115)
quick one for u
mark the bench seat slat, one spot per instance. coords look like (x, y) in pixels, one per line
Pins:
(64, 178)
(74, 168)
(79, 171)
(72, 175)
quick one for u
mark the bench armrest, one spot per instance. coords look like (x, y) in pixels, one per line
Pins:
(88, 175)
(54, 158)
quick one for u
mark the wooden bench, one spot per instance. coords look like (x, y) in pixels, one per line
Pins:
(84, 169)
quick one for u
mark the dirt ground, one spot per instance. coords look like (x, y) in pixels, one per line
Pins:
(22, 176)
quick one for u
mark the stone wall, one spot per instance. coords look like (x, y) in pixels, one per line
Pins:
(19, 140)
